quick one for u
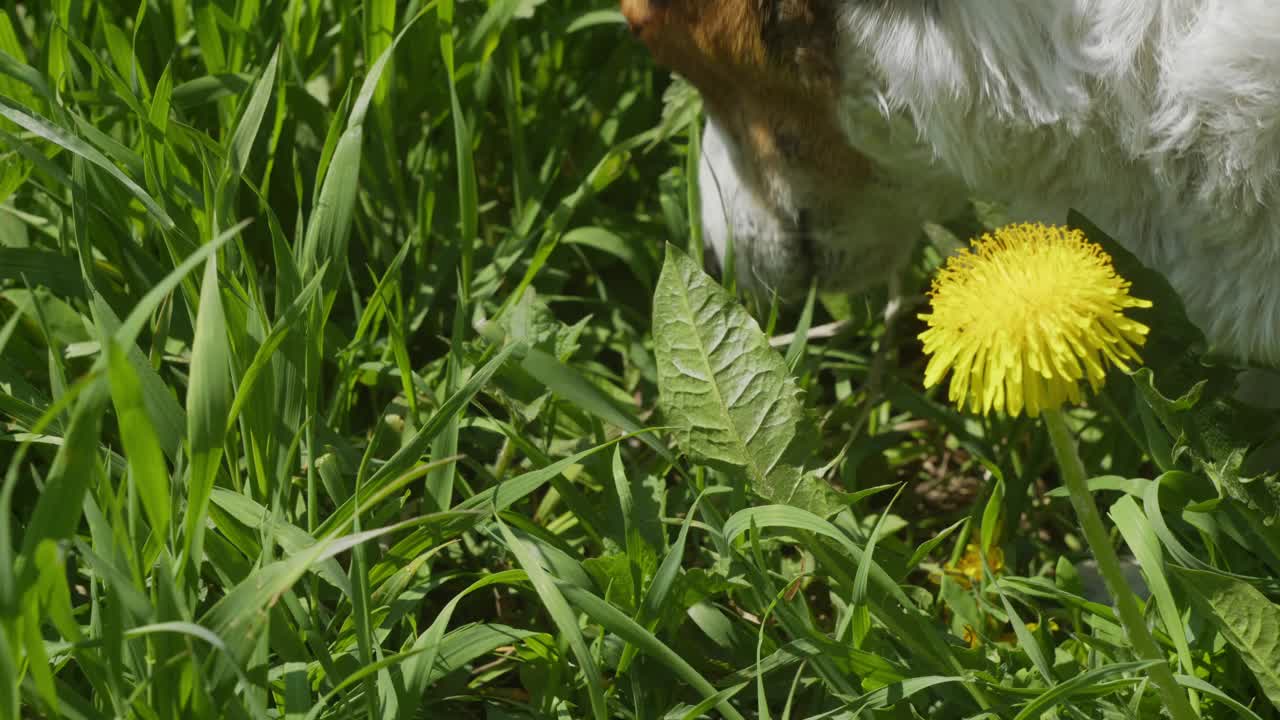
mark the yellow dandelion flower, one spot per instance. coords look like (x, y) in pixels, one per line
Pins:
(1025, 315)
(1011, 638)
(968, 569)
(1053, 626)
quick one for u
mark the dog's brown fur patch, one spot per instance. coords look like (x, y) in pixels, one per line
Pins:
(767, 71)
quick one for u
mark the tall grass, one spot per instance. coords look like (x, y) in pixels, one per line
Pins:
(328, 389)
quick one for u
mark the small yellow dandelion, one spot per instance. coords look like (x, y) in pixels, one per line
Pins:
(1024, 316)
(968, 569)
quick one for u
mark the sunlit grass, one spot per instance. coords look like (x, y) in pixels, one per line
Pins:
(328, 389)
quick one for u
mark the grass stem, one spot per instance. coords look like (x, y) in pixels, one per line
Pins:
(1095, 533)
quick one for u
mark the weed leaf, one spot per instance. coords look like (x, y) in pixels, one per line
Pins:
(727, 392)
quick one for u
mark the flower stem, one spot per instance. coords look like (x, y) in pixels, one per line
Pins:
(1095, 533)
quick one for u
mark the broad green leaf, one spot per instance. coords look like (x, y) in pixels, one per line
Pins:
(1246, 618)
(728, 393)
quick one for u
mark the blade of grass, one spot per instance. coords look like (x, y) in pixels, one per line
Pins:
(565, 620)
(626, 628)
(208, 404)
(147, 471)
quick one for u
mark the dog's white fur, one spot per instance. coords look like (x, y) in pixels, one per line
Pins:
(1158, 119)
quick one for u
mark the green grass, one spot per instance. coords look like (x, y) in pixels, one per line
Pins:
(330, 368)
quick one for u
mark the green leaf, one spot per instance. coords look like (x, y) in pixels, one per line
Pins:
(1246, 618)
(1140, 536)
(429, 645)
(681, 107)
(469, 642)
(891, 695)
(929, 545)
(292, 539)
(10, 695)
(141, 445)
(571, 385)
(566, 621)
(626, 628)
(798, 519)
(701, 709)
(1260, 493)
(250, 121)
(1196, 683)
(57, 272)
(1086, 684)
(208, 403)
(1192, 399)
(43, 128)
(329, 228)
(728, 393)
(858, 601)
(635, 258)
(240, 615)
(76, 468)
(412, 450)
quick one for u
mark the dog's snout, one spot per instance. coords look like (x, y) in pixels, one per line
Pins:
(641, 15)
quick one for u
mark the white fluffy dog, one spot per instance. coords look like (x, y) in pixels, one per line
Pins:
(838, 126)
